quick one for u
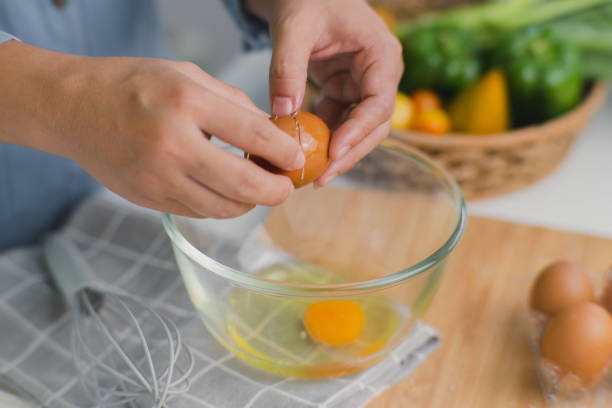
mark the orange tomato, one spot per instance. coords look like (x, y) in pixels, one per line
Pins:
(425, 99)
(334, 322)
(434, 121)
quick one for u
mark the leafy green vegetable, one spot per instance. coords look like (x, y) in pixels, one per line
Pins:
(440, 57)
(587, 24)
(543, 72)
(597, 65)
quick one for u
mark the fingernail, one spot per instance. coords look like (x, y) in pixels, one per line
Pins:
(328, 179)
(282, 106)
(299, 162)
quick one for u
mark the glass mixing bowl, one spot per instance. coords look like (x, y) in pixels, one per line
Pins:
(362, 257)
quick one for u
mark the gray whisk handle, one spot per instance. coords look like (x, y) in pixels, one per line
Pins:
(68, 269)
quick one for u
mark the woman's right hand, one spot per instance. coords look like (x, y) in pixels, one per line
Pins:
(142, 128)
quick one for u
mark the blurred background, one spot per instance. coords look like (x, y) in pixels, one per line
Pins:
(201, 31)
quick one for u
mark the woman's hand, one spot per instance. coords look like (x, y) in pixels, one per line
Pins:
(348, 51)
(142, 127)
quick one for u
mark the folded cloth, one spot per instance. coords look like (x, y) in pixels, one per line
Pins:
(127, 248)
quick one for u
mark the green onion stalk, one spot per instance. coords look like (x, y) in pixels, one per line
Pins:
(587, 24)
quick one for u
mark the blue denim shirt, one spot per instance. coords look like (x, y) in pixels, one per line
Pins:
(38, 190)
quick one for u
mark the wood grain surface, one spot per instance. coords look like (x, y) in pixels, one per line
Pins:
(485, 359)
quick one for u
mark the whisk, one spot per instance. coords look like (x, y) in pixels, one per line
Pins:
(124, 351)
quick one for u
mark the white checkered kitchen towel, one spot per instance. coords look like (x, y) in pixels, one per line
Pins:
(128, 248)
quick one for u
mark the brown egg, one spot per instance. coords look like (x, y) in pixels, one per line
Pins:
(578, 340)
(313, 135)
(559, 285)
(607, 296)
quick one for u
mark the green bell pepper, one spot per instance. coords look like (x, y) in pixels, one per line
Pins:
(443, 58)
(543, 72)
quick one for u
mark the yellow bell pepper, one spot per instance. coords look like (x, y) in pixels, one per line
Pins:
(483, 107)
(403, 113)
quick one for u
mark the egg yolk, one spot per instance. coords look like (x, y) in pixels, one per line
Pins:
(334, 322)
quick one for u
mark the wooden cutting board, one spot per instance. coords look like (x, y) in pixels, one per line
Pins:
(484, 359)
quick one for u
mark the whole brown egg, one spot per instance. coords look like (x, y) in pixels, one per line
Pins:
(313, 136)
(607, 295)
(559, 285)
(578, 340)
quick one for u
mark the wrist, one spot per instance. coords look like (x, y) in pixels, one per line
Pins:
(36, 92)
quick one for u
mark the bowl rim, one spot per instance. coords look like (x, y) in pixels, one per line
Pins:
(349, 288)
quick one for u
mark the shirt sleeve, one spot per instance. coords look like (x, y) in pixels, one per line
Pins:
(4, 37)
(255, 34)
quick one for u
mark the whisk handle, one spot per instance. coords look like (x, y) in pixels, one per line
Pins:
(68, 269)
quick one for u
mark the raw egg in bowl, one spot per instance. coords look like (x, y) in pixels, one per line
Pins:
(332, 280)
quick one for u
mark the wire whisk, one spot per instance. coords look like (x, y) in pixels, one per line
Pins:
(125, 352)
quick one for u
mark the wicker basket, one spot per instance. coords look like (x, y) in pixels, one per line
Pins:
(489, 165)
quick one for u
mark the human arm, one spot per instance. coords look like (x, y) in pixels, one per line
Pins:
(141, 127)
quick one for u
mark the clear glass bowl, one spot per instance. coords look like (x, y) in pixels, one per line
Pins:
(377, 236)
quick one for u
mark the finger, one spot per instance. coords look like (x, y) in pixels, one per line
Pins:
(220, 88)
(289, 66)
(206, 202)
(237, 178)
(363, 120)
(174, 207)
(378, 80)
(248, 131)
(321, 71)
(347, 161)
(331, 112)
(342, 87)
(168, 205)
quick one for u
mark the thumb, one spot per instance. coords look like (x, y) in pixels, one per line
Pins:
(289, 68)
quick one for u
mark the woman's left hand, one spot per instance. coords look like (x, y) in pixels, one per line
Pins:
(348, 51)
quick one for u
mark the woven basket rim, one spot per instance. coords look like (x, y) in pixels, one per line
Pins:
(529, 134)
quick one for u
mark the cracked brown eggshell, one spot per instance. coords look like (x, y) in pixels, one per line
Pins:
(313, 135)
